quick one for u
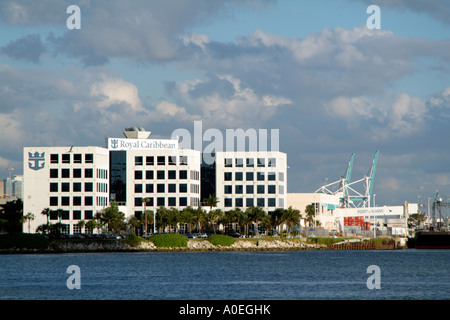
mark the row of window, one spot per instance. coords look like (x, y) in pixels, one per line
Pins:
(250, 162)
(250, 202)
(76, 215)
(77, 187)
(160, 160)
(77, 173)
(85, 201)
(250, 189)
(250, 176)
(170, 174)
(169, 201)
(170, 187)
(71, 158)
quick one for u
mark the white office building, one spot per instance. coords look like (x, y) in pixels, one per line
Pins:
(73, 179)
(155, 170)
(254, 178)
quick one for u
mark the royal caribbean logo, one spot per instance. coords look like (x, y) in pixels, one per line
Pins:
(114, 143)
(36, 161)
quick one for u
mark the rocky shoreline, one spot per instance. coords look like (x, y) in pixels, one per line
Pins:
(192, 246)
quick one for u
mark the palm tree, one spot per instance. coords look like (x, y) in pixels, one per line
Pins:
(81, 224)
(144, 201)
(211, 201)
(46, 212)
(310, 214)
(291, 217)
(29, 217)
(276, 218)
(257, 214)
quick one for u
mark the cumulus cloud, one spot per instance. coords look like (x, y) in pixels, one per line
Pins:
(28, 48)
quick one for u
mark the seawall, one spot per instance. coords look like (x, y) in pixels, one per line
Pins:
(194, 246)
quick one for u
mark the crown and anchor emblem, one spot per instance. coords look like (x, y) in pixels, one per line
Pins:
(36, 161)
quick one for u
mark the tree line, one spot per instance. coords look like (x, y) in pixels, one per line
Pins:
(252, 220)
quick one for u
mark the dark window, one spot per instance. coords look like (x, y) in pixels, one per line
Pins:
(138, 202)
(65, 173)
(260, 176)
(65, 187)
(249, 189)
(77, 187)
(88, 173)
(271, 176)
(161, 160)
(260, 202)
(88, 158)
(239, 189)
(77, 173)
(138, 188)
(271, 189)
(65, 158)
(183, 201)
(271, 202)
(53, 201)
(172, 201)
(88, 214)
(239, 202)
(260, 189)
(172, 188)
(172, 174)
(53, 173)
(138, 160)
(249, 202)
(161, 202)
(149, 188)
(172, 160)
(54, 158)
(149, 160)
(160, 188)
(76, 214)
(238, 176)
(160, 174)
(88, 201)
(228, 203)
(53, 187)
(138, 175)
(77, 201)
(183, 187)
(149, 174)
(228, 176)
(65, 215)
(249, 176)
(77, 159)
(65, 201)
(183, 174)
(228, 189)
(88, 187)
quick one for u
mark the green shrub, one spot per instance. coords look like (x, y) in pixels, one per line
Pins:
(133, 240)
(23, 241)
(169, 240)
(222, 240)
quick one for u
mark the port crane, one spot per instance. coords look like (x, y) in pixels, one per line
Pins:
(346, 189)
(440, 217)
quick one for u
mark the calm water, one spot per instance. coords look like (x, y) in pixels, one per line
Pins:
(405, 274)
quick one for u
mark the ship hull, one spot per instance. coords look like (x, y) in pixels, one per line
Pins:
(430, 240)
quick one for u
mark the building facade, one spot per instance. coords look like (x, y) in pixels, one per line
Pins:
(72, 179)
(251, 179)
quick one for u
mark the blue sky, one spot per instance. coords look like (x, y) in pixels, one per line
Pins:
(311, 69)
